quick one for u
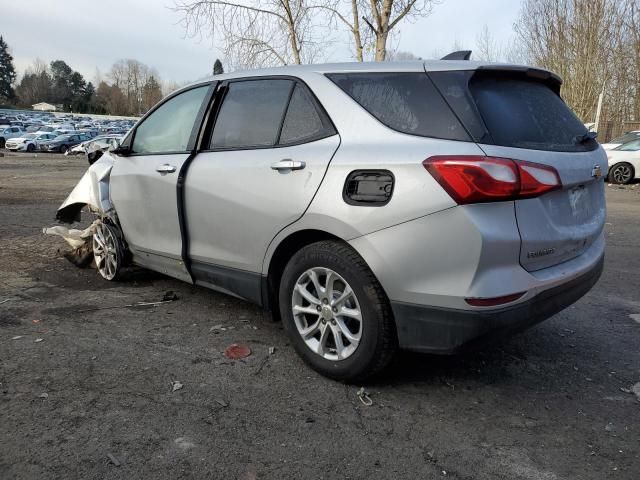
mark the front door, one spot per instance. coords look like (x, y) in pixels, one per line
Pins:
(143, 184)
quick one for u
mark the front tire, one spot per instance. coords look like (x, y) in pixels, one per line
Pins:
(108, 251)
(336, 313)
(2, 142)
(31, 148)
(621, 173)
(63, 149)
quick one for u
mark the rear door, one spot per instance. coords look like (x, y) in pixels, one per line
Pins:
(522, 117)
(144, 183)
(259, 169)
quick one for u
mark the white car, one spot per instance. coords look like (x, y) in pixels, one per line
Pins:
(7, 132)
(29, 142)
(624, 162)
(616, 142)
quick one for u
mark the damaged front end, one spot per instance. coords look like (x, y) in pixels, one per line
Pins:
(91, 191)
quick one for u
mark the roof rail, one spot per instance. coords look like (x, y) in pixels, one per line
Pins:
(459, 55)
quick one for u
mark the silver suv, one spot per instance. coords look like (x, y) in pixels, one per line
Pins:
(428, 206)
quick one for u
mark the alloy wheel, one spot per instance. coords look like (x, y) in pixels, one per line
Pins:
(327, 313)
(106, 251)
(622, 174)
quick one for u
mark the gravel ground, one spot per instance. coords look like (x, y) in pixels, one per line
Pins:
(87, 392)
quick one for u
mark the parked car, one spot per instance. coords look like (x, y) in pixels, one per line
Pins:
(624, 162)
(29, 142)
(617, 142)
(61, 143)
(7, 132)
(431, 206)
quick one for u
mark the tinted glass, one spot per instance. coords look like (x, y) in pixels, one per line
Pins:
(527, 114)
(169, 127)
(302, 122)
(407, 102)
(251, 114)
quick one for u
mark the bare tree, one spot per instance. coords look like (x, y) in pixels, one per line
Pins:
(138, 82)
(583, 41)
(256, 32)
(487, 48)
(371, 22)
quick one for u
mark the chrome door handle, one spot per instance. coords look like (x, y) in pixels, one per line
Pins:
(165, 168)
(288, 164)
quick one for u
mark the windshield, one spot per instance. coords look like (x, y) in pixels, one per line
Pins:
(30, 136)
(61, 137)
(627, 137)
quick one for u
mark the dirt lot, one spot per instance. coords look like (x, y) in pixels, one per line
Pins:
(547, 404)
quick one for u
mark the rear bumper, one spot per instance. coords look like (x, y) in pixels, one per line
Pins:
(446, 331)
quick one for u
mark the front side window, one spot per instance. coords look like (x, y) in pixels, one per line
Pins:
(169, 127)
(251, 114)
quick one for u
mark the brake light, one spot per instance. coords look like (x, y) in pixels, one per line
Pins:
(479, 179)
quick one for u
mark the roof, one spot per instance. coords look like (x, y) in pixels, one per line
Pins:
(322, 68)
(42, 103)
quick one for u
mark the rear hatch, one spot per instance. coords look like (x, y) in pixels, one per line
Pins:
(518, 114)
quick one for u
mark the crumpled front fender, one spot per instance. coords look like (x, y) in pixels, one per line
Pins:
(91, 190)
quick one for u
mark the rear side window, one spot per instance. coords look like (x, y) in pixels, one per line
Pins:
(303, 122)
(407, 102)
(527, 114)
(251, 114)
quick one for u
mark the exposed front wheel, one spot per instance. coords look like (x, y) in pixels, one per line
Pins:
(621, 173)
(108, 251)
(336, 313)
(31, 148)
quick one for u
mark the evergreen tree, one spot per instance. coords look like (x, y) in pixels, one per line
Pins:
(7, 73)
(217, 67)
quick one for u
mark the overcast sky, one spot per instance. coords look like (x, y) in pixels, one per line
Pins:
(90, 34)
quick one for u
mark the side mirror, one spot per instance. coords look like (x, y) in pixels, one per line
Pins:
(121, 150)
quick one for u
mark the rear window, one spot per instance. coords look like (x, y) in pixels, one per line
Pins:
(407, 102)
(527, 114)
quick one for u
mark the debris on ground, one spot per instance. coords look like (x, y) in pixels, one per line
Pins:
(634, 389)
(217, 328)
(176, 385)
(113, 459)
(363, 395)
(17, 337)
(6, 300)
(272, 350)
(221, 402)
(43, 395)
(38, 340)
(169, 296)
(35, 321)
(129, 305)
(236, 351)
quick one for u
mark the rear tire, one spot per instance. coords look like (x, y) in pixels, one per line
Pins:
(31, 148)
(343, 328)
(2, 142)
(621, 173)
(63, 149)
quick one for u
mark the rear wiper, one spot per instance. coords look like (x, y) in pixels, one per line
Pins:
(585, 137)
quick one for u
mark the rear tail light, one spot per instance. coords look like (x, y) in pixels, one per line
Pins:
(478, 179)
